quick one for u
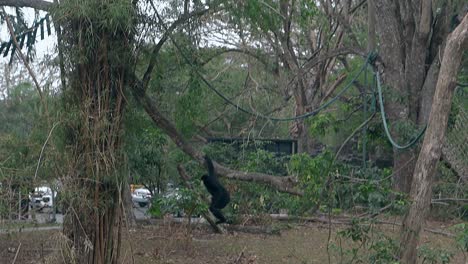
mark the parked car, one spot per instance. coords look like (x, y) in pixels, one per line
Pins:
(41, 198)
(141, 196)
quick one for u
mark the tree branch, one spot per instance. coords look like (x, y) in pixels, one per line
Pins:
(36, 4)
(333, 87)
(252, 53)
(23, 58)
(313, 61)
(165, 37)
(283, 184)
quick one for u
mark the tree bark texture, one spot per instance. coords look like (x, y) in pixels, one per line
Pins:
(371, 37)
(421, 189)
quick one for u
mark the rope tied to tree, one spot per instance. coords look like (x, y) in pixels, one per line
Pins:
(384, 120)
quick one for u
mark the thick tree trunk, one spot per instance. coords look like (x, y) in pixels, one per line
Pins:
(371, 37)
(407, 38)
(421, 189)
(392, 51)
(403, 167)
(299, 132)
(427, 93)
(94, 217)
(95, 102)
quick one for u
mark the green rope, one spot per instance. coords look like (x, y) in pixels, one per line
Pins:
(276, 119)
(364, 128)
(374, 95)
(384, 121)
(371, 56)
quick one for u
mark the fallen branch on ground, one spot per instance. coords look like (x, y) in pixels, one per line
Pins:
(16, 255)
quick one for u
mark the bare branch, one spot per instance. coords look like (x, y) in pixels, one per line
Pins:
(42, 150)
(314, 60)
(165, 37)
(251, 53)
(354, 9)
(16, 255)
(25, 61)
(333, 87)
(36, 4)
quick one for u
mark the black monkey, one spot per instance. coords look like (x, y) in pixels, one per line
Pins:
(219, 195)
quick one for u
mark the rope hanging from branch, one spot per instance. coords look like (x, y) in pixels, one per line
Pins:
(371, 57)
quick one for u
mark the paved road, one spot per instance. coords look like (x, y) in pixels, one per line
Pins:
(46, 217)
(29, 229)
(141, 213)
(42, 218)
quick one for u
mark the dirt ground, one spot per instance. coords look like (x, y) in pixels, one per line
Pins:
(173, 243)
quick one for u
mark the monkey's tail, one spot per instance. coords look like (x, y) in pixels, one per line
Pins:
(209, 163)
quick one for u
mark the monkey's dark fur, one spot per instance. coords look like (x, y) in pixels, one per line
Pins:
(219, 195)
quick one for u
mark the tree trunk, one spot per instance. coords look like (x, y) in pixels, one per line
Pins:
(127, 204)
(98, 50)
(403, 167)
(410, 40)
(371, 37)
(393, 57)
(421, 189)
(301, 134)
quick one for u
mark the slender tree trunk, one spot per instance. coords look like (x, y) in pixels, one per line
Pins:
(371, 37)
(421, 189)
(127, 204)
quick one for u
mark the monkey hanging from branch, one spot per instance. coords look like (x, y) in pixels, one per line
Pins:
(219, 195)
